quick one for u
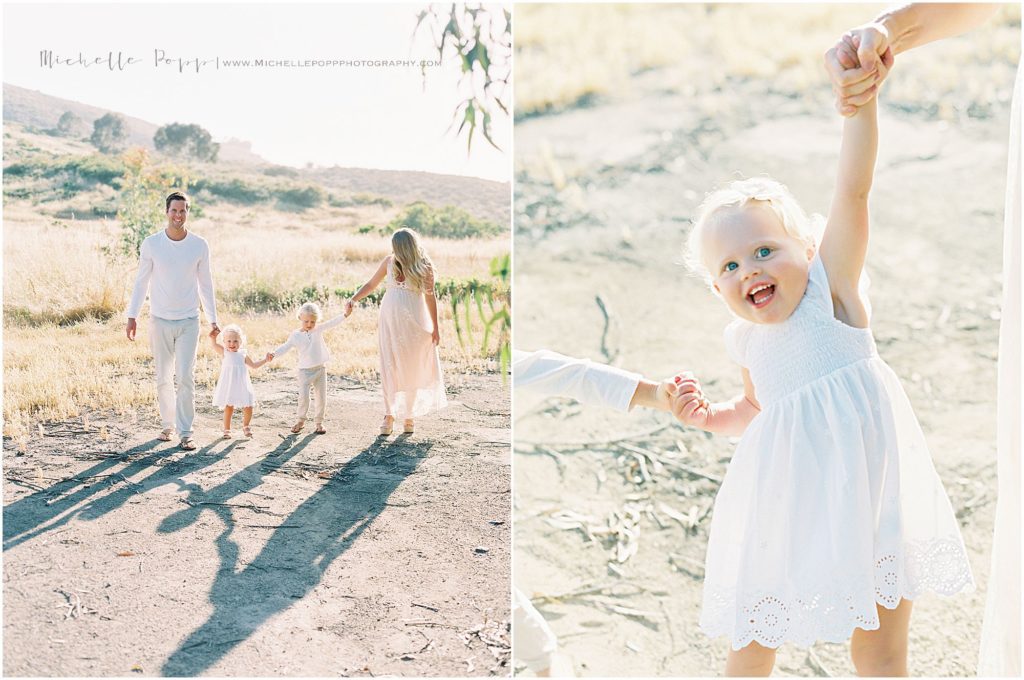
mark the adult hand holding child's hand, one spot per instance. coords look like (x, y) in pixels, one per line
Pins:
(857, 64)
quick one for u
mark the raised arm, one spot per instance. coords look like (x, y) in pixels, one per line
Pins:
(331, 323)
(217, 347)
(729, 418)
(370, 285)
(892, 32)
(845, 243)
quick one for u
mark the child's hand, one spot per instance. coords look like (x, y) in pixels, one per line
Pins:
(348, 308)
(666, 389)
(689, 405)
(270, 356)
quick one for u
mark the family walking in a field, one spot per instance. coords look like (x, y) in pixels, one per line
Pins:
(831, 519)
(175, 272)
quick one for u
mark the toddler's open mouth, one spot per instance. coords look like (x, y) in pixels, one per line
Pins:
(761, 295)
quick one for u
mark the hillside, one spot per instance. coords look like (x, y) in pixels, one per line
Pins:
(29, 114)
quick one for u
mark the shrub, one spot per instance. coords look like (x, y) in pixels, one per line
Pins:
(446, 222)
(305, 197)
(235, 190)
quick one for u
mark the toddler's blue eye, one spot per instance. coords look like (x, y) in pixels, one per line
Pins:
(731, 266)
(764, 251)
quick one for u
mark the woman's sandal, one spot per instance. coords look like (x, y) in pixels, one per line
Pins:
(408, 426)
(247, 431)
(165, 435)
(388, 426)
(227, 434)
(297, 427)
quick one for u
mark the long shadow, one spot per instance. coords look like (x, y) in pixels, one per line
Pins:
(295, 557)
(25, 518)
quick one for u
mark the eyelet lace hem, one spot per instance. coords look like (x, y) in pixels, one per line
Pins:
(829, 611)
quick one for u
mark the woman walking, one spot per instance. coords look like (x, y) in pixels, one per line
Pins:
(410, 370)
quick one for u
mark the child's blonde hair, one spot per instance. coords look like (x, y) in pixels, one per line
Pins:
(309, 308)
(411, 261)
(237, 330)
(795, 222)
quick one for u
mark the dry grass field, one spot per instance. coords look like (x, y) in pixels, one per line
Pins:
(64, 347)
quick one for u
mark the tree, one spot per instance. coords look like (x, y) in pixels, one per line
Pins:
(141, 208)
(189, 141)
(109, 133)
(70, 125)
(480, 36)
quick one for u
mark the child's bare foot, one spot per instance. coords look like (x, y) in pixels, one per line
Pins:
(165, 435)
(227, 434)
(247, 431)
(297, 427)
(408, 426)
(320, 429)
(388, 425)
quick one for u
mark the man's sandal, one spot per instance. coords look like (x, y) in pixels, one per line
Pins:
(187, 444)
(165, 435)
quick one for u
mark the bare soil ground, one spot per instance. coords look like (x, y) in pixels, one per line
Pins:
(612, 512)
(343, 554)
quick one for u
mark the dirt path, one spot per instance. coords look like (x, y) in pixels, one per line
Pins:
(634, 172)
(303, 555)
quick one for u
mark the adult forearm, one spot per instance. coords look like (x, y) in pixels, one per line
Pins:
(364, 291)
(920, 23)
(432, 308)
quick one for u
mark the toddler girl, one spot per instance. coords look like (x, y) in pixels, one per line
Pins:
(234, 387)
(831, 518)
(313, 356)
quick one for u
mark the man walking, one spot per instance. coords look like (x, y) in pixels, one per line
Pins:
(174, 268)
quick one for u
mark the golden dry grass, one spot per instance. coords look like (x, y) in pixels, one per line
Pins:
(566, 53)
(55, 269)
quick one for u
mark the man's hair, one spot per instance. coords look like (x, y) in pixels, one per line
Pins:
(177, 196)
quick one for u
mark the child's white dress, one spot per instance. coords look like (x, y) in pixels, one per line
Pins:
(831, 502)
(234, 386)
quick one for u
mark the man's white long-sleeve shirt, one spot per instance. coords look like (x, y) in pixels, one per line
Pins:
(312, 348)
(177, 276)
(543, 373)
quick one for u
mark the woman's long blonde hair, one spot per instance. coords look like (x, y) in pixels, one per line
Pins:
(411, 262)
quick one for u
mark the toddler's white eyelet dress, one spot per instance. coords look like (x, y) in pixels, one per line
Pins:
(234, 386)
(831, 502)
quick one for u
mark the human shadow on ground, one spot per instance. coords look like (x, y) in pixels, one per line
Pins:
(300, 550)
(45, 510)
